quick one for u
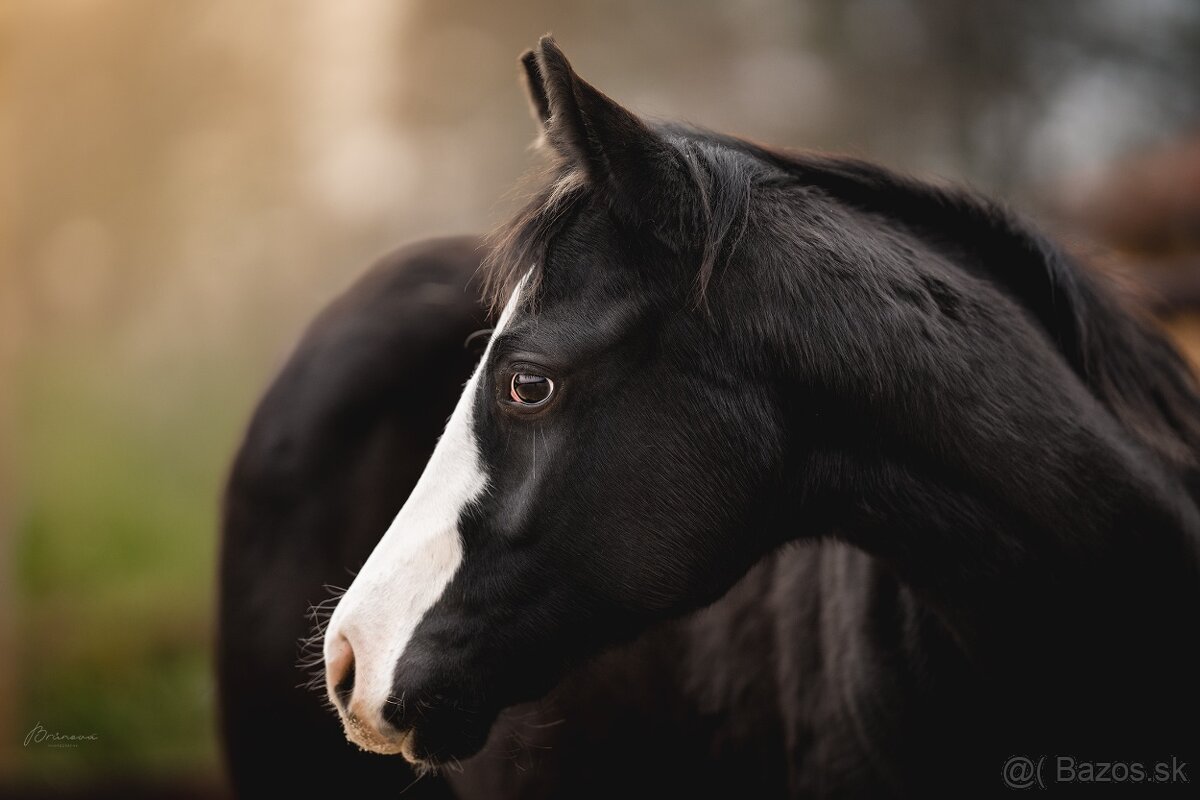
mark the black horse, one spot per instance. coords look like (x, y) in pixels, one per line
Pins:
(779, 475)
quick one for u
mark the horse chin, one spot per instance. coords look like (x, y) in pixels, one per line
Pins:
(405, 745)
(408, 752)
(428, 747)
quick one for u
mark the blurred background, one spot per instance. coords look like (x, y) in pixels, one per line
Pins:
(185, 183)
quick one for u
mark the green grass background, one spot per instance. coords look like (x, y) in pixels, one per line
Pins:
(120, 470)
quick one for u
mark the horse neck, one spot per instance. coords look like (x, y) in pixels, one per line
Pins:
(1056, 569)
(997, 486)
(1052, 599)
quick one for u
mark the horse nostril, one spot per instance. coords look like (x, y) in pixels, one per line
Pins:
(340, 669)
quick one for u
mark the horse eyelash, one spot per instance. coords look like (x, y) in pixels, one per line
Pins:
(482, 333)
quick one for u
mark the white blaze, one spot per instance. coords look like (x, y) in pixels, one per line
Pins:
(409, 569)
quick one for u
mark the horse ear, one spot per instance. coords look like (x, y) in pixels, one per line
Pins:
(536, 88)
(609, 143)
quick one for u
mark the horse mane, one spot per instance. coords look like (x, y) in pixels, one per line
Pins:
(520, 245)
(721, 181)
(1106, 339)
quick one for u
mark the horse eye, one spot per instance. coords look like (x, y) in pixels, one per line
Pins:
(530, 390)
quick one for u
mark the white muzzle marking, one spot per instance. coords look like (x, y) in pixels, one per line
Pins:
(408, 571)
